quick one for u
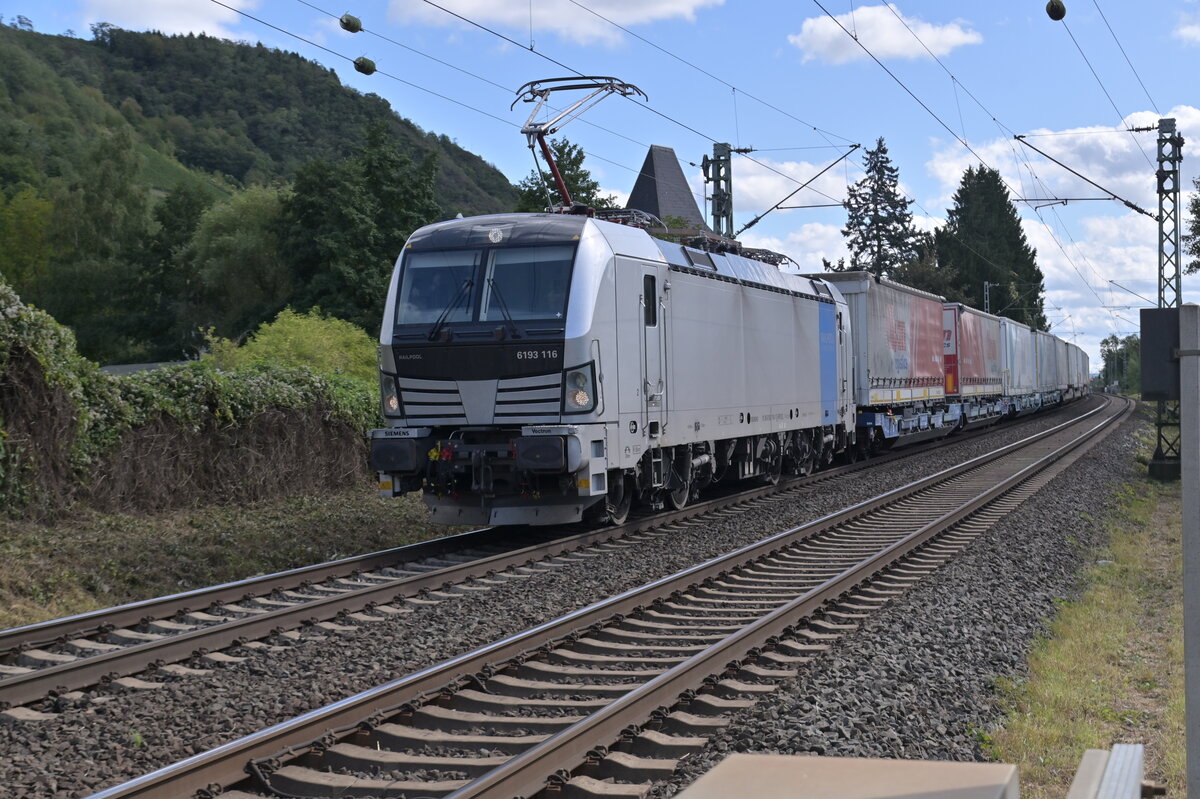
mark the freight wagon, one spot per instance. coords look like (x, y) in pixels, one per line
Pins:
(974, 368)
(899, 374)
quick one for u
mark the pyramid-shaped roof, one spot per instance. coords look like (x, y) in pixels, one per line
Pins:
(662, 190)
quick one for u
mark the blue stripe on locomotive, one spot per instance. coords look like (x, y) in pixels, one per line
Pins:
(829, 362)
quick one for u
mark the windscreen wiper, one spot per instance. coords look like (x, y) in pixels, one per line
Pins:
(504, 308)
(454, 301)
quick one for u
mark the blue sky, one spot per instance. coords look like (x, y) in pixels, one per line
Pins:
(790, 80)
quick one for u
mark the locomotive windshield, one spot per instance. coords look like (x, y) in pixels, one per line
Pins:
(489, 285)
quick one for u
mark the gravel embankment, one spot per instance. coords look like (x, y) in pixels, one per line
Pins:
(915, 680)
(876, 692)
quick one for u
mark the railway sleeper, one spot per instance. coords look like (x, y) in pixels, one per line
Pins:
(515, 686)
(450, 720)
(353, 757)
(401, 736)
(301, 781)
(469, 700)
(584, 787)
(629, 768)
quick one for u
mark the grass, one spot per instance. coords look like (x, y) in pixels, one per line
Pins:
(95, 560)
(1111, 669)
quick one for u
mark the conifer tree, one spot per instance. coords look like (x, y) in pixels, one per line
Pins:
(983, 242)
(879, 225)
(1191, 236)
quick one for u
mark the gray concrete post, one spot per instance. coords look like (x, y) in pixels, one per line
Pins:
(1189, 428)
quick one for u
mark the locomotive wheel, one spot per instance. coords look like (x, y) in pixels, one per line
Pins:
(801, 456)
(774, 465)
(681, 471)
(677, 498)
(617, 505)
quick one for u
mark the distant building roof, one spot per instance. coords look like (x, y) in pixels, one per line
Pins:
(662, 190)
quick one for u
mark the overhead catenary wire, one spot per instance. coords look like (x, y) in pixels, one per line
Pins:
(644, 105)
(1019, 157)
(1104, 89)
(386, 74)
(1153, 105)
(703, 71)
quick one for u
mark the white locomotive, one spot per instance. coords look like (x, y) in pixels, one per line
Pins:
(544, 368)
(547, 368)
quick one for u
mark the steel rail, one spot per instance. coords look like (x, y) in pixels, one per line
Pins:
(93, 622)
(225, 764)
(131, 659)
(97, 621)
(526, 774)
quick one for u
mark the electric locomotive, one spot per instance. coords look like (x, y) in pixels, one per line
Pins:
(547, 368)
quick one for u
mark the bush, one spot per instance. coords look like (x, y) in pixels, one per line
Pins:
(326, 345)
(296, 401)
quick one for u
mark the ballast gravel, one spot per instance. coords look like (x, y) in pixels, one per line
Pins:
(913, 682)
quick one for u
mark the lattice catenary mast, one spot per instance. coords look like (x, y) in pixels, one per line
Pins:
(1165, 463)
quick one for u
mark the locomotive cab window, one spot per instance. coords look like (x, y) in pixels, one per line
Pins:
(650, 300)
(497, 284)
(435, 283)
(526, 283)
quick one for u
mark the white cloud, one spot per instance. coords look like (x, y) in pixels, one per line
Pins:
(622, 197)
(1081, 302)
(1121, 162)
(168, 16)
(761, 183)
(1188, 28)
(882, 32)
(806, 245)
(558, 17)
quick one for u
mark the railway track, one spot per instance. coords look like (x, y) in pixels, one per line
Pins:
(64, 655)
(622, 689)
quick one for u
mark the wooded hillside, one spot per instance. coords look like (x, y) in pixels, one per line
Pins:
(152, 187)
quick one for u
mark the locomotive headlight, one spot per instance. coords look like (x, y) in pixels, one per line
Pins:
(578, 398)
(388, 396)
(579, 395)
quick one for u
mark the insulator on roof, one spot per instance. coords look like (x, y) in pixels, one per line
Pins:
(351, 23)
(364, 65)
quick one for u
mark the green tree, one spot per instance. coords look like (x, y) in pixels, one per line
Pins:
(345, 224)
(534, 194)
(926, 273)
(1191, 236)
(100, 225)
(167, 285)
(326, 345)
(879, 225)
(1122, 357)
(982, 240)
(238, 274)
(25, 247)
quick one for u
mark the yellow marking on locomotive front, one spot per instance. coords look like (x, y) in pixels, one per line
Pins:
(585, 482)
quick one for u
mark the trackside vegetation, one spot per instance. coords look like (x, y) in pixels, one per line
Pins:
(181, 435)
(1111, 669)
(249, 460)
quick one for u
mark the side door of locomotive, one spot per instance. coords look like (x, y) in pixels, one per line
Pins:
(641, 343)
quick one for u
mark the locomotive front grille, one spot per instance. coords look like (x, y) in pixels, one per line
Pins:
(537, 398)
(431, 401)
